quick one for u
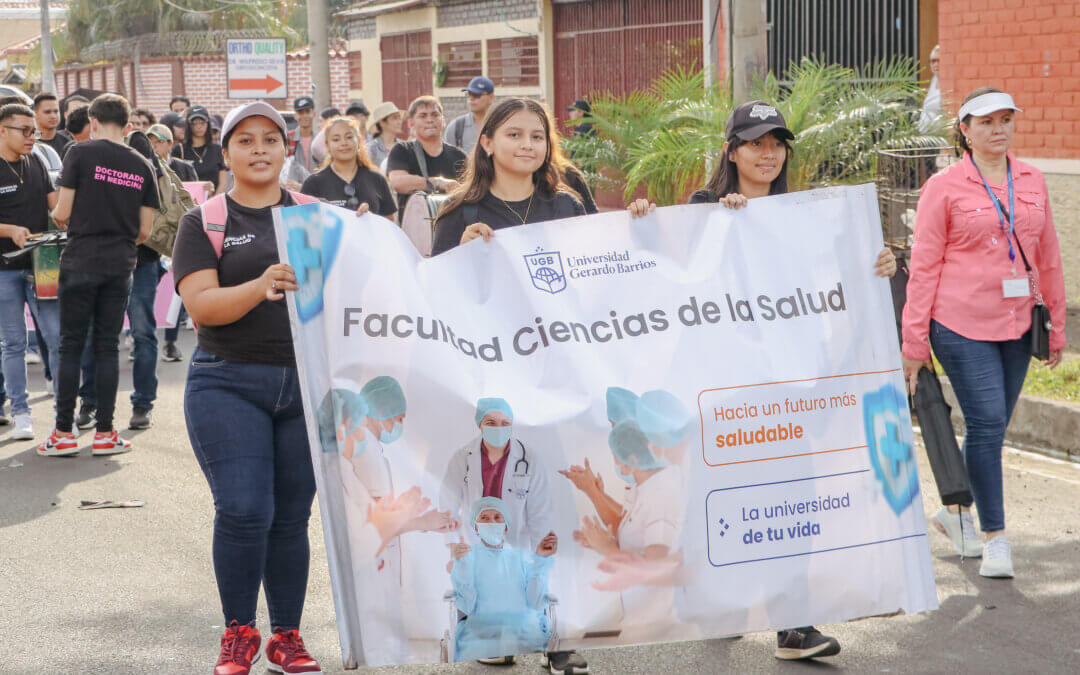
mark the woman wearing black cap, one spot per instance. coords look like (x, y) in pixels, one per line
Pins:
(754, 164)
(199, 148)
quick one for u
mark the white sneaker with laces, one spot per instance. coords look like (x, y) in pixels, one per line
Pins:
(997, 559)
(960, 528)
(24, 428)
(33, 358)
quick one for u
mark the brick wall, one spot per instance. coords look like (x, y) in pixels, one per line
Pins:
(469, 12)
(1032, 51)
(204, 81)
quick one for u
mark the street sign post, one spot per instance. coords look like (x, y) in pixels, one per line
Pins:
(255, 68)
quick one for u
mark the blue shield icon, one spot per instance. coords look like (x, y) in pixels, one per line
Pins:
(890, 444)
(313, 237)
(546, 271)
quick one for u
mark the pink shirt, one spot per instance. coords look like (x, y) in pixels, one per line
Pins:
(961, 254)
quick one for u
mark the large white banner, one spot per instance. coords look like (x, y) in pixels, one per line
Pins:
(686, 426)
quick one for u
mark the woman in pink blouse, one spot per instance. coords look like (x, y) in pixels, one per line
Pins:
(969, 297)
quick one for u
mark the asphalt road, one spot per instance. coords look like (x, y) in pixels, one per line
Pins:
(132, 591)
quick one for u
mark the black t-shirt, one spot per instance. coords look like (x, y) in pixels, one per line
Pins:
(183, 170)
(262, 335)
(576, 181)
(208, 160)
(370, 188)
(704, 197)
(59, 142)
(111, 182)
(498, 214)
(24, 189)
(449, 164)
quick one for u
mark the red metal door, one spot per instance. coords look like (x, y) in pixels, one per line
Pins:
(621, 45)
(406, 67)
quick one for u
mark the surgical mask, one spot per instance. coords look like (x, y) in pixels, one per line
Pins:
(496, 437)
(393, 434)
(630, 478)
(493, 534)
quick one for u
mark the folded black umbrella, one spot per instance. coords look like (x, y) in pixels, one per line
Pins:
(52, 237)
(935, 420)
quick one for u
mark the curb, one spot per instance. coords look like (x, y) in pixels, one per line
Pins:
(1047, 426)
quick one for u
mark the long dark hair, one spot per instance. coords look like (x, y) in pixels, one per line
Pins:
(480, 172)
(961, 142)
(725, 178)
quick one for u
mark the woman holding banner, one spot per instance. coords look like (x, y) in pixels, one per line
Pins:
(511, 179)
(986, 256)
(754, 164)
(242, 402)
(349, 178)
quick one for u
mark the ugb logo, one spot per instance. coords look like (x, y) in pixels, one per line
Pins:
(546, 271)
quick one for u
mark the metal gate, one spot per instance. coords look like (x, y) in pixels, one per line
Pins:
(621, 45)
(406, 66)
(851, 33)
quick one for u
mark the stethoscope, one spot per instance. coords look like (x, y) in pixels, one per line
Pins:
(517, 473)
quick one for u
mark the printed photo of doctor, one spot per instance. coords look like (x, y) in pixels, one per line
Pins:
(500, 591)
(496, 463)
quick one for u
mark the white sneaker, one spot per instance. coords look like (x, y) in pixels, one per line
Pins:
(24, 428)
(997, 559)
(960, 528)
(33, 358)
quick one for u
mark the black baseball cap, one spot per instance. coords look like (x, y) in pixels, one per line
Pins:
(580, 104)
(303, 103)
(327, 113)
(753, 120)
(357, 108)
(196, 112)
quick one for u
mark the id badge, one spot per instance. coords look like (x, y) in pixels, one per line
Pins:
(1015, 288)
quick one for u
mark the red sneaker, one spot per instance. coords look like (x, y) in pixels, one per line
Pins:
(239, 649)
(286, 653)
(109, 443)
(59, 444)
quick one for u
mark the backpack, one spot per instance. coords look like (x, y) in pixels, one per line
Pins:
(175, 201)
(215, 212)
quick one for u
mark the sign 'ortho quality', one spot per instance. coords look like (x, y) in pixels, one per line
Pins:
(256, 68)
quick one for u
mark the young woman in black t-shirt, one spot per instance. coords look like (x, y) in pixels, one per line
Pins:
(510, 179)
(199, 148)
(242, 402)
(348, 177)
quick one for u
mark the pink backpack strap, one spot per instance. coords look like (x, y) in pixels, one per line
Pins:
(214, 213)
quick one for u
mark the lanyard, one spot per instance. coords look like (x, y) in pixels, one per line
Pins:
(1010, 231)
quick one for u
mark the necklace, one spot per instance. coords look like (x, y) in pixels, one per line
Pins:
(516, 214)
(18, 174)
(196, 152)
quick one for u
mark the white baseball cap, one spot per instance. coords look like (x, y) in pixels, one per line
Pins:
(986, 104)
(253, 109)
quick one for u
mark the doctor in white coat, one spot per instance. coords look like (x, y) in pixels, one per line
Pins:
(496, 464)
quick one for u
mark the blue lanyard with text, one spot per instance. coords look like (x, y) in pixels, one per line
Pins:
(1010, 231)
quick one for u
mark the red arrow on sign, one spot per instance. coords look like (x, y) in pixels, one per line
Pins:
(267, 84)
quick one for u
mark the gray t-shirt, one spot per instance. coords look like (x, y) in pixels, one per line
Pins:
(462, 132)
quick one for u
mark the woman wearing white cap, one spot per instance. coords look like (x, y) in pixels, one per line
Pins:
(985, 255)
(242, 403)
(386, 123)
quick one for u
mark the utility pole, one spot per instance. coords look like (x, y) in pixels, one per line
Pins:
(318, 21)
(48, 79)
(712, 21)
(749, 50)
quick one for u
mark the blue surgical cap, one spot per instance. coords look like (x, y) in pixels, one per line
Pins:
(337, 406)
(621, 404)
(490, 405)
(384, 398)
(663, 418)
(485, 503)
(630, 446)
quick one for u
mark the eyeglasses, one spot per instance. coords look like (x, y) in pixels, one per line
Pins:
(353, 202)
(27, 132)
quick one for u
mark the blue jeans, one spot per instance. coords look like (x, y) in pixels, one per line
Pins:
(172, 333)
(17, 290)
(987, 378)
(246, 425)
(140, 313)
(95, 302)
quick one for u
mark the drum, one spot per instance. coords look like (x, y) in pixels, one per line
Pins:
(46, 258)
(418, 220)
